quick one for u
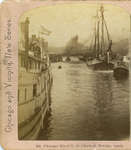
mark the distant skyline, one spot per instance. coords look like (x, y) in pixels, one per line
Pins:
(68, 20)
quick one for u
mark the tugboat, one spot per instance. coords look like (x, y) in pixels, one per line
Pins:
(121, 69)
(101, 49)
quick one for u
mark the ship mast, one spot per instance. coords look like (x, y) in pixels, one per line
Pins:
(99, 34)
(129, 53)
(103, 24)
(98, 44)
(95, 35)
(102, 29)
(95, 42)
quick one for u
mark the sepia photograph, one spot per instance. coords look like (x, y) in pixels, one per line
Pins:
(73, 73)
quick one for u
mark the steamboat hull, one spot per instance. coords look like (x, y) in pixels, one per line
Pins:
(120, 72)
(101, 66)
(32, 113)
(31, 128)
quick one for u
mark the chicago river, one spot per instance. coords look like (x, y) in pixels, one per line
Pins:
(86, 105)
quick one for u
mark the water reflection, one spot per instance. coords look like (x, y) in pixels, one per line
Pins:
(87, 105)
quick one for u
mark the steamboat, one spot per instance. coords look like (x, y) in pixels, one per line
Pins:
(35, 80)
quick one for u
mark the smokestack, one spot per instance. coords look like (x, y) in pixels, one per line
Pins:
(27, 40)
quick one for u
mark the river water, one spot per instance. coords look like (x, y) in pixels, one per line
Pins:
(87, 105)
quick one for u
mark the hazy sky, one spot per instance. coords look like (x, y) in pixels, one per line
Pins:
(65, 21)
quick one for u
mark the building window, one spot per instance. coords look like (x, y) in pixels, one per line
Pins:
(29, 64)
(23, 64)
(34, 90)
(18, 95)
(25, 94)
(35, 65)
(38, 65)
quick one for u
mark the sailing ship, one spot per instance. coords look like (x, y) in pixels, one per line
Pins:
(101, 48)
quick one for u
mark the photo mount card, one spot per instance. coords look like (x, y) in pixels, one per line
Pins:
(65, 75)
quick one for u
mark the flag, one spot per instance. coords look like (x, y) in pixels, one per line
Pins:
(44, 31)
